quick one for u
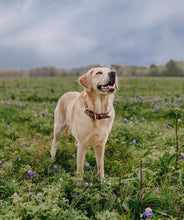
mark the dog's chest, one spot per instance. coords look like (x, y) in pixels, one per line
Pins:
(92, 132)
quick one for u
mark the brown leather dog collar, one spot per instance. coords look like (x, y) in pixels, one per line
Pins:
(92, 114)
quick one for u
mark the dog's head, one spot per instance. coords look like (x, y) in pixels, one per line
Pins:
(100, 79)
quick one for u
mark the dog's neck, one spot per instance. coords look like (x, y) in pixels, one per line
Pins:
(99, 103)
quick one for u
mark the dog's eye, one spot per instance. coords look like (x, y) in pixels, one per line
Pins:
(99, 73)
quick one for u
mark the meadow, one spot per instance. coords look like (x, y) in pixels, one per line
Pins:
(144, 156)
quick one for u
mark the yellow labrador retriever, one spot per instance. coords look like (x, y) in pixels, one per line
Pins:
(89, 115)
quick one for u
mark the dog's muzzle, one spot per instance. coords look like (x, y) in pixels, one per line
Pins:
(110, 86)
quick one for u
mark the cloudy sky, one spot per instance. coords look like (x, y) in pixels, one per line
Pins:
(74, 33)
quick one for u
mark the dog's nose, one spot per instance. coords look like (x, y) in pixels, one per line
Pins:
(112, 75)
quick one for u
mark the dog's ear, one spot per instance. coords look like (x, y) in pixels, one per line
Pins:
(86, 80)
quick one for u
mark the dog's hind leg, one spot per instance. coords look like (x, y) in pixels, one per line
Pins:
(99, 152)
(59, 127)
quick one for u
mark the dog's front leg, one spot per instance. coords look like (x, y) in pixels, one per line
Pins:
(81, 152)
(53, 148)
(99, 152)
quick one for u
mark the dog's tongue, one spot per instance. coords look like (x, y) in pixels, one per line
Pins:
(107, 88)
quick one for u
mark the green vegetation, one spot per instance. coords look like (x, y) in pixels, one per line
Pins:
(144, 166)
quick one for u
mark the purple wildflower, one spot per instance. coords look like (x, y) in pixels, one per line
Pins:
(24, 144)
(180, 100)
(43, 114)
(78, 193)
(182, 157)
(87, 167)
(55, 169)
(152, 124)
(30, 174)
(158, 109)
(134, 142)
(143, 120)
(131, 104)
(1, 164)
(125, 121)
(17, 159)
(73, 157)
(167, 127)
(8, 126)
(148, 213)
(86, 185)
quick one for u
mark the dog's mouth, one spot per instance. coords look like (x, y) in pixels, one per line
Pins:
(107, 88)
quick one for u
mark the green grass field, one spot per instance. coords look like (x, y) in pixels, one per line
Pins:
(143, 167)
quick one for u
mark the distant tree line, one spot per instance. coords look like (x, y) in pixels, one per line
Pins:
(171, 68)
(45, 72)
